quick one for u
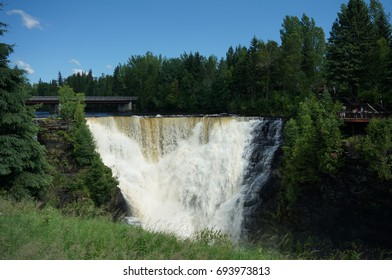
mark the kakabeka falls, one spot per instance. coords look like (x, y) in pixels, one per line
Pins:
(186, 174)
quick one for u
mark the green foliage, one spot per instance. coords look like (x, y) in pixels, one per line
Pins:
(94, 181)
(380, 21)
(22, 158)
(303, 45)
(312, 145)
(83, 145)
(355, 56)
(71, 104)
(377, 147)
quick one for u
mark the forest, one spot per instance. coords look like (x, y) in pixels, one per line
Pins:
(268, 78)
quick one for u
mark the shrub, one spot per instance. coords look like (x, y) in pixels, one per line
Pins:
(377, 147)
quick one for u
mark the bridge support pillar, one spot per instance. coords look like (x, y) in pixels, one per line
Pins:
(125, 107)
(54, 108)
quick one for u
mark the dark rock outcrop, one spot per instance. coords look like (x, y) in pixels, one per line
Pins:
(354, 205)
(53, 135)
(118, 207)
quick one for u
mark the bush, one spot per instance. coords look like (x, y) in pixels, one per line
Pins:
(377, 147)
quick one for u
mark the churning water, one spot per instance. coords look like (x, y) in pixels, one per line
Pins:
(186, 174)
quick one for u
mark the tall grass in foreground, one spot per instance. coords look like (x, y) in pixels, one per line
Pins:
(27, 232)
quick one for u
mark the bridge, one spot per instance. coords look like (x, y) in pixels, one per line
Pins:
(124, 103)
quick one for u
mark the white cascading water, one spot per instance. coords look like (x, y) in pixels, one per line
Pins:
(181, 174)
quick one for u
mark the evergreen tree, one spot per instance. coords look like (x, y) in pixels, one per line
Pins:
(349, 48)
(238, 64)
(254, 71)
(60, 80)
(381, 56)
(118, 86)
(22, 158)
(221, 87)
(89, 84)
(141, 79)
(269, 54)
(303, 46)
(292, 57)
(313, 49)
(380, 20)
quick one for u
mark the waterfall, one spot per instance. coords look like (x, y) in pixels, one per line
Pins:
(186, 174)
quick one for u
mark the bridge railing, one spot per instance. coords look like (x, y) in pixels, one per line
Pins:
(364, 116)
(88, 99)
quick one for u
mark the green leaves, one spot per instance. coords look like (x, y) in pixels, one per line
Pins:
(71, 103)
(377, 147)
(352, 40)
(94, 180)
(303, 45)
(312, 145)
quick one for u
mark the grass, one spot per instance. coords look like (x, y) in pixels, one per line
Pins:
(28, 232)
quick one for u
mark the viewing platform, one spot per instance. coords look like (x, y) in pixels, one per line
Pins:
(362, 114)
(364, 118)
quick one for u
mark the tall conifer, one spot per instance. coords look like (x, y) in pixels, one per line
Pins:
(22, 161)
(349, 48)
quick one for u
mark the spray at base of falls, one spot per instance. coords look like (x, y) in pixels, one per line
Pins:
(186, 174)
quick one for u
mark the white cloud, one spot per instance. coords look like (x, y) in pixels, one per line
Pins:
(25, 66)
(29, 21)
(109, 66)
(75, 61)
(76, 71)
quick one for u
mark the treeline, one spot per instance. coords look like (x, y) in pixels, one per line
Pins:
(354, 65)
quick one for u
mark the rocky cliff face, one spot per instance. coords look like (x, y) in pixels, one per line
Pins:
(353, 205)
(53, 135)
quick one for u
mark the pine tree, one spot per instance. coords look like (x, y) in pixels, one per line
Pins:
(349, 48)
(117, 87)
(292, 57)
(380, 20)
(268, 61)
(313, 48)
(22, 158)
(254, 71)
(381, 55)
(60, 80)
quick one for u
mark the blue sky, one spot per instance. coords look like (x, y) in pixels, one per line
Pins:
(78, 35)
